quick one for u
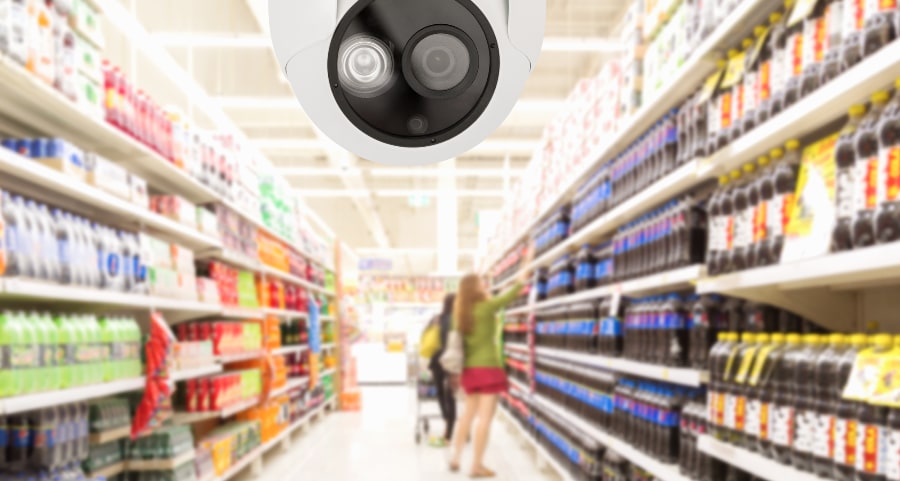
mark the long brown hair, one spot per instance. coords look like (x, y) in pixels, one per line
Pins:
(470, 293)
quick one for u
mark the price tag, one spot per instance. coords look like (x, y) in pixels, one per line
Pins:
(664, 375)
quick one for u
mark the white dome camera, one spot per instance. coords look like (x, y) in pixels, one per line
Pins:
(407, 82)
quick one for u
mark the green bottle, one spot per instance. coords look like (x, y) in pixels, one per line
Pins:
(10, 339)
(110, 361)
(68, 341)
(51, 355)
(28, 354)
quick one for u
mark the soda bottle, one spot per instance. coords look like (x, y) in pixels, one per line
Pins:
(783, 414)
(887, 221)
(735, 403)
(726, 110)
(743, 219)
(675, 329)
(867, 155)
(52, 356)
(66, 352)
(764, 371)
(832, 62)
(784, 179)
(754, 77)
(28, 355)
(778, 46)
(846, 425)
(718, 358)
(879, 29)
(793, 69)
(743, 412)
(729, 213)
(872, 428)
(846, 181)
(892, 441)
(815, 37)
(826, 372)
(802, 392)
(585, 268)
(717, 226)
(706, 323)
(742, 91)
(111, 362)
(754, 414)
(760, 212)
(19, 443)
(44, 453)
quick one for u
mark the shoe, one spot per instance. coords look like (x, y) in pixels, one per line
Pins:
(482, 473)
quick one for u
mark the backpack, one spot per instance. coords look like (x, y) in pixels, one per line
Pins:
(430, 343)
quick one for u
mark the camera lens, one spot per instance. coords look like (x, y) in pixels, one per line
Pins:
(440, 61)
(366, 66)
(417, 124)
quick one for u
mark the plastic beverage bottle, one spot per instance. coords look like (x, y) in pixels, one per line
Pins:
(760, 211)
(675, 331)
(86, 350)
(832, 62)
(879, 29)
(29, 354)
(853, 27)
(784, 179)
(742, 92)
(742, 390)
(743, 222)
(11, 344)
(111, 362)
(42, 348)
(733, 411)
(867, 155)
(784, 411)
(19, 443)
(767, 194)
(826, 373)
(815, 37)
(892, 462)
(729, 212)
(67, 343)
(717, 226)
(844, 435)
(778, 42)
(706, 323)
(764, 372)
(44, 453)
(765, 70)
(887, 220)
(804, 403)
(53, 356)
(726, 110)
(794, 61)
(755, 77)
(846, 181)
(754, 415)
(872, 428)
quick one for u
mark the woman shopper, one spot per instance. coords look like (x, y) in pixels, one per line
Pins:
(483, 378)
(445, 397)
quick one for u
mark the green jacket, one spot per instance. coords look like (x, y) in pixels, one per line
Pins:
(481, 345)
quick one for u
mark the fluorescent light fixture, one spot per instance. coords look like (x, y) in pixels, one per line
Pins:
(500, 146)
(228, 40)
(397, 193)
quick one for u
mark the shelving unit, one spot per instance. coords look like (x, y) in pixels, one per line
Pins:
(761, 466)
(519, 385)
(224, 413)
(284, 313)
(292, 383)
(516, 346)
(286, 350)
(675, 375)
(541, 453)
(662, 471)
(243, 356)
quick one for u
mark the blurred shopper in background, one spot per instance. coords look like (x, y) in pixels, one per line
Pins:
(483, 378)
(445, 393)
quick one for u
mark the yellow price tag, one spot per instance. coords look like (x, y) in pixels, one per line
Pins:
(734, 72)
(710, 86)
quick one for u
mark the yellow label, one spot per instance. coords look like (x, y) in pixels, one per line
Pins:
(746, 363)
(734, 72)
(758, 46)
(801, 10)
(819, 163)
(710, 86)
(728, 365)
(865, 376)
(887, 386)
(760, 363)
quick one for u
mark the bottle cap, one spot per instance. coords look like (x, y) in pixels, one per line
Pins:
(723, 179)
(748, 337)
(792, 144)
(812, 339)
(897, 341)
(881, 97)
(777, 338)
(881, 340)
(763, 338)
(759, 31)
(859, 340)
(897, 83)
(838, 339)
(776, 153)
(792, 338)
(763, 161)
(774, 18)
(735, 174)
(749, 168)
(857, 110)
(720, 64)
(747, 43)
(733, 52)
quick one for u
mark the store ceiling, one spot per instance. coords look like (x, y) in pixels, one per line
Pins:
(222, 44)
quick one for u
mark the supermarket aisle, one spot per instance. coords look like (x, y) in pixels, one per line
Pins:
(377, 445)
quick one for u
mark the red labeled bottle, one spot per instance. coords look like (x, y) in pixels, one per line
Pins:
(826, 401)
(760, 206)
(867, 162)
(845, 189)
(784, 176)
(843, 436)
(871, 432)
(887, 220)
(743, 219)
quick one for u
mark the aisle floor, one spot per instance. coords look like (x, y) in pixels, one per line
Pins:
(377, 444)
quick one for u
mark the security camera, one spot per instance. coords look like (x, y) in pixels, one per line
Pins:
(407, 82)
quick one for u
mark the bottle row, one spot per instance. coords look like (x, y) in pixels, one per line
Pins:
(44, 352)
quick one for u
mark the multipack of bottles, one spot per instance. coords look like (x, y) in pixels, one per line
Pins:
(297, 364)
(163, 443)
(591, 199)
(553, 231)
(656, 330)
(220, 392)
(231, 442)
(294, 332)
(670, 237)
(868, 182)
(228, 338)
(648, 416)
(47, 352)
(587, 392)
(51, 244)
(49, 441)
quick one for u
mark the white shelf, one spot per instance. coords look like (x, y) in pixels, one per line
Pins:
(241, 313)
(550, 460)
(817, 288)
(196, 372)
(760, 466)
(243, 356)
(284, 313)
(327, 372)
(516, 346)
(292, 383)
(230, 257)
(286, 350)
(675, 375)
(522, 387)
(517, 356)
(271, 271)
(31, 402)
(18, 288)
(328, 345)
(662, 471)
(672, 280)
(681, 85)
(196, 417)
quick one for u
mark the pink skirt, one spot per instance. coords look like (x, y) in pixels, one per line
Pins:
(484, 380)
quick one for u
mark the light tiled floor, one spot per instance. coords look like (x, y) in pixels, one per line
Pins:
(378, 444)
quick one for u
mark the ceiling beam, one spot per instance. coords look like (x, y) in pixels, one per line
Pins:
(227, 40)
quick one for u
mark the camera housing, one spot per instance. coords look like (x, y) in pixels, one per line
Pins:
(407, 82)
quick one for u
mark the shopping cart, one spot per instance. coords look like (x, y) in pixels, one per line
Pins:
(426, 392)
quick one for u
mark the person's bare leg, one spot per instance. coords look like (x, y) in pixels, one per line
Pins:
(463, 427)
(487, 406)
